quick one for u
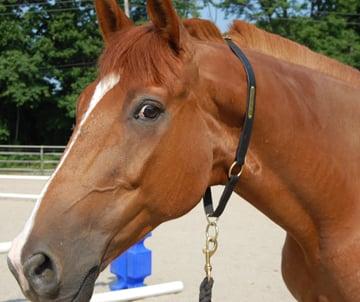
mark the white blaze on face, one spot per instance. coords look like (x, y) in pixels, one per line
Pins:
(103, 87)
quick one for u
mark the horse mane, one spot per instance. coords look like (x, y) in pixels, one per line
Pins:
(203, 30)
(250, 36)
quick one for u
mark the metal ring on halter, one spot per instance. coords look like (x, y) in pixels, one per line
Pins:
(232, 167)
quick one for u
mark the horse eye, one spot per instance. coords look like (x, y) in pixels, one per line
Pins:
(148, 112)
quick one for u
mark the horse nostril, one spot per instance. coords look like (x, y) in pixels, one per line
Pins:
(41, 273)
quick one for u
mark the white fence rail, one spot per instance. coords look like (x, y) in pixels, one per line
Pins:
(29, 159)
(24, 177)
(19, 196)
(5, 247)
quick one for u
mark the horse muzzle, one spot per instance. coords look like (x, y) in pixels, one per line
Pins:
(41, 279)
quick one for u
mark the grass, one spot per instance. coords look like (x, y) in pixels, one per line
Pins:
(28, 162)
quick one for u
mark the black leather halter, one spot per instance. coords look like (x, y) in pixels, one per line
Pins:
(242, 148)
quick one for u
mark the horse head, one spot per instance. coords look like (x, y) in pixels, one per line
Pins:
(143, 151)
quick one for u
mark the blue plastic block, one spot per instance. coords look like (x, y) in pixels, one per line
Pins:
(132, 267)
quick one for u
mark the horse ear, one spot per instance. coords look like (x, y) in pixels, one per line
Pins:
(164, 17)
(111, 18)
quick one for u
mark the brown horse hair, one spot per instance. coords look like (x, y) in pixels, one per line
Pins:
(141, 52)
(250, 36)
(203, 30)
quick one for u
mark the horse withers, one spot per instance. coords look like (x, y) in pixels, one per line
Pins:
(161, 123)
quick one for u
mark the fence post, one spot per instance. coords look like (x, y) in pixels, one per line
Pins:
(42, 160)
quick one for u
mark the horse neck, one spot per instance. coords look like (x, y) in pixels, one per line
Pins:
(296, 170)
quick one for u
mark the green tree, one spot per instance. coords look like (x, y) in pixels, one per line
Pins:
(21, 83)
(331, 27)
(48, 53)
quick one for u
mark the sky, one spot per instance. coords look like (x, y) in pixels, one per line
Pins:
(217, 16)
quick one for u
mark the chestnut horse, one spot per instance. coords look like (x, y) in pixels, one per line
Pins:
(161, 124)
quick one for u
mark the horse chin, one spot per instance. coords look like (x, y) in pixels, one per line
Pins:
(87, 286)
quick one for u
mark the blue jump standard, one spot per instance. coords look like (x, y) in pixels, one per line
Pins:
(132, 267)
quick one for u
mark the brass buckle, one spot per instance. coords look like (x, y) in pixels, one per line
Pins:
(234, 164)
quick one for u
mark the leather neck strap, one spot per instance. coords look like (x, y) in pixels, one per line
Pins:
(243, 142)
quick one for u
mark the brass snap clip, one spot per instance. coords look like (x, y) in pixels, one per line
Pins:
(211, 244)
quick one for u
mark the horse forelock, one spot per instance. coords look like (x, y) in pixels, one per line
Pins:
(140, 53)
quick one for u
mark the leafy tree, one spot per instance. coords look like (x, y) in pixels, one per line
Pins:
(4, 131)
(21, 83)
(331, 27)
(48, 52)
